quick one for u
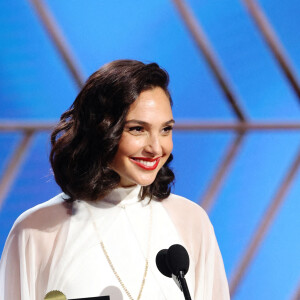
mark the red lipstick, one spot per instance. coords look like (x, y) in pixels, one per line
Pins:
(149, 168)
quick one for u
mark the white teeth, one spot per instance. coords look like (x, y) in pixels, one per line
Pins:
(146, 163)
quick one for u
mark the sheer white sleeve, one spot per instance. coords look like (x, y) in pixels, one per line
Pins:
(14, 267)
(193, 225)
(28, 254)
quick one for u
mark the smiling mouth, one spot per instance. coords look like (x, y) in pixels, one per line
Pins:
(146, 163)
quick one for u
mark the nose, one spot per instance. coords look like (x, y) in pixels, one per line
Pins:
(153, 145)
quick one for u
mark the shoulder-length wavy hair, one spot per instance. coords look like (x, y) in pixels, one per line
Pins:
(86, 139)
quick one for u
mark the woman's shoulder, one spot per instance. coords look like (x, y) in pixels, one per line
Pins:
(185, 208)
(191, 222)
(43, 216)
(35, 231)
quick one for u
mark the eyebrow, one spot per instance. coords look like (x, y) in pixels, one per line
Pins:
(170, 122)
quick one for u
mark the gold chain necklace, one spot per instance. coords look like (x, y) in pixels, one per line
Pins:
(110, 262)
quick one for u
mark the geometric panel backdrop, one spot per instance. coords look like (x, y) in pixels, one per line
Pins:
(234, 69)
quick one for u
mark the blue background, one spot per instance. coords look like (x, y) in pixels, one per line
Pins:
(36, 85)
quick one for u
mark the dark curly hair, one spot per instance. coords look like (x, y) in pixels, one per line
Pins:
(86, 139)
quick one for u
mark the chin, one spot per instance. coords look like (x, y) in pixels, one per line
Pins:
(145, 181)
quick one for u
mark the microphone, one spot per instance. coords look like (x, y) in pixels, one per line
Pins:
(58, 295)
(174, 262)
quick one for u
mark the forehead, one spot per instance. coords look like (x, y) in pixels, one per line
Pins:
(152, 103)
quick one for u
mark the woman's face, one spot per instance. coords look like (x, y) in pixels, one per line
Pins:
(146, 142)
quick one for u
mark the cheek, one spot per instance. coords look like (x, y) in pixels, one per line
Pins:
(129, 145)
(169, 145)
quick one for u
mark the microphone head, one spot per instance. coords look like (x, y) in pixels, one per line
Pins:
(161, 263)
(177, 259)
(55, 295)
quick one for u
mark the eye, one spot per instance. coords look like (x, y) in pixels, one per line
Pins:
(167, 130)
(136, 129)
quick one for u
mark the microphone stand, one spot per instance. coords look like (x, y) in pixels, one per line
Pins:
(181, 282)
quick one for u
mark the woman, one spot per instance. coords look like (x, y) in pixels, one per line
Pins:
(110, 155)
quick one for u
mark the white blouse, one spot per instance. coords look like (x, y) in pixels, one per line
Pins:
(55, 246)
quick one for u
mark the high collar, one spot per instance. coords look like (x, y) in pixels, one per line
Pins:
(123, 196)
